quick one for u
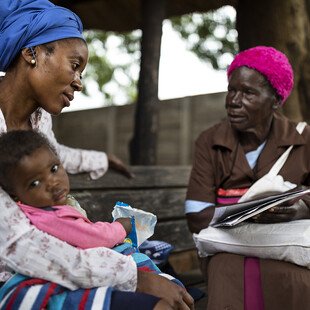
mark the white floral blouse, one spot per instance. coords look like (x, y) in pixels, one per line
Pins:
(29, 251)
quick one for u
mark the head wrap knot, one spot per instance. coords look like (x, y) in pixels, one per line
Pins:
(271, 63)
(26, 23)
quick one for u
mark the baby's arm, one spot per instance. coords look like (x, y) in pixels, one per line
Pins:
(67, 224)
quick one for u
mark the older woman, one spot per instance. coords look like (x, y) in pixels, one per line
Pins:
(43, 54)
(229, 158)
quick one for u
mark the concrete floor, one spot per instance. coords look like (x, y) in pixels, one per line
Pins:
(202, 303)
(194, 279)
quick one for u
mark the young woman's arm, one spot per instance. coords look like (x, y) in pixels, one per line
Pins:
(74, 160)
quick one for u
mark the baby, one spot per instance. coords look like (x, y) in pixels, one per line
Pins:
(31, 172)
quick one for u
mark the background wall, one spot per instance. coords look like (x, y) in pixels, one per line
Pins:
(110, 128)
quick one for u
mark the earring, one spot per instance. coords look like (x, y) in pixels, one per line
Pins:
(33, 60)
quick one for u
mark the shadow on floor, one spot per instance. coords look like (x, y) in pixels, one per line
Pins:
(194, 284)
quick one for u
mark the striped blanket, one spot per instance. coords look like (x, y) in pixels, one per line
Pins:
(22, 292)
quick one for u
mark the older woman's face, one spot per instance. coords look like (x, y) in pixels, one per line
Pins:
(249, 101)
(57, 74)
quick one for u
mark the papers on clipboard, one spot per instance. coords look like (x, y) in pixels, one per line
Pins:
(234, 214)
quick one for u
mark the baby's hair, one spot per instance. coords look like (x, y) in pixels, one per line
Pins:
(15, 145)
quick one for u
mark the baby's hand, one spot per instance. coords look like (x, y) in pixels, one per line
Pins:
(126, 222)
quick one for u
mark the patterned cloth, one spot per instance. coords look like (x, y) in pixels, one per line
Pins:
(21, 292)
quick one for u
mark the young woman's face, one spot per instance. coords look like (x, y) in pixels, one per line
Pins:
(57, 74)
(249, 101)
(40, 180)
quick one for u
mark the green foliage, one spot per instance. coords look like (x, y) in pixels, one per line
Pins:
(211, 36)
(98, 68)
(103, 70)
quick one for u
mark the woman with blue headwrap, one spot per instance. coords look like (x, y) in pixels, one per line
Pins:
(43, 54)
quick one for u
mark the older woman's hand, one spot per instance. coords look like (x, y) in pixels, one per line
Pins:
(284, 213)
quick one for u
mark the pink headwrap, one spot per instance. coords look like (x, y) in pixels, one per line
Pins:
(271, 63)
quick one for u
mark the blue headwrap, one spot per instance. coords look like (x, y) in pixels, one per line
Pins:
(27, 23)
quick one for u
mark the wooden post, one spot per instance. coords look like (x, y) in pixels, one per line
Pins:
(185, 128)
(144, 143)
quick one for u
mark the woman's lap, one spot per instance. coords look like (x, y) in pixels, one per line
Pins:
(285, 286)
(225, 282)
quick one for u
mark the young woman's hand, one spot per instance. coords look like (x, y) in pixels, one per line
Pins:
(116, 164)
(173, 294)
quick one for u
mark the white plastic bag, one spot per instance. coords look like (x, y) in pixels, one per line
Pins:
(288, 241)
(144, 221)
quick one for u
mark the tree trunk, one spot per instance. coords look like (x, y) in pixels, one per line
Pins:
(281, 24)
(144, 142)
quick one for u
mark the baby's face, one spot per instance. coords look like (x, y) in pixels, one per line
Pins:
(40, 180)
